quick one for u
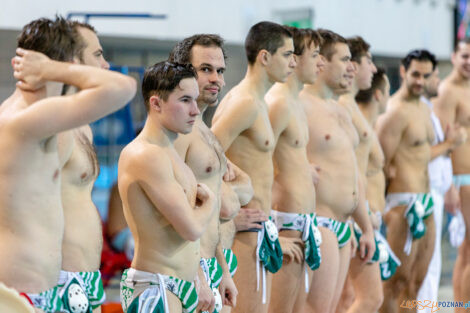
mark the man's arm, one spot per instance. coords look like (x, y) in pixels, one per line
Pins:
(237, 117)
(227, 287)
(101, 93)
(455, 135)
(390, 128)
(278, 116)
(241, 184)
(445, 106)
(153, 172)
(361, 217)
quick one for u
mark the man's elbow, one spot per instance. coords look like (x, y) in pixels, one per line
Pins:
(192, 233)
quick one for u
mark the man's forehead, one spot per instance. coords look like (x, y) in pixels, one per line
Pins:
(212, 55)
(463, 47)
(342, 49)
(421, 65)
(89, 36)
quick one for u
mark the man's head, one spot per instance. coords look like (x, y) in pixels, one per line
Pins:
(205, 52)
(170, 90)
(416, 68)
(461, 57)
(338, 71)
(307, 44)
(362, 61)
(53, 38)
(270, 45)
(88, 50)
(378, 92)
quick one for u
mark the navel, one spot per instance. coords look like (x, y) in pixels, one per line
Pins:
(365, 134)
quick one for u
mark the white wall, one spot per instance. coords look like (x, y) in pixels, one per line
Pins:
(393, 27)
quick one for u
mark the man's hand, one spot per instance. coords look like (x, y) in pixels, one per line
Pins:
(452, 200)
(374, 220)
(204, 195)
(28, 67)
(206, 297)
(455, 135)
(230, 173)
(228, 290)
(249, 218)
(367, 246)
(292, 248)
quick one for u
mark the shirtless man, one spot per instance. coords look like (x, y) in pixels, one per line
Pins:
(364, 278)
(332, 140)
(204, 155)
(293, 189)
(82, 244)
(453, 106)
(241, 123)
(372, 103)
(165, 208)
(406, 134)
(30, 200)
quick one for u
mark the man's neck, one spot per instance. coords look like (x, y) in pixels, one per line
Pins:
(258, 79)
(157, 133)
(370, 111)
(459, 79)
(294, 85)
(404, 94)
(321, 90)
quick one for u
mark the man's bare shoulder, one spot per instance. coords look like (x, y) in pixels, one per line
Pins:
(140, 157)
(237, 101)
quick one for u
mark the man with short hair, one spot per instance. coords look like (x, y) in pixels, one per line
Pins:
(293, 189)
(452, 106)
(406, 134)
(166, 209)
(82, 244)
(364, 277)
(32, 224)
(204, 155)
(440, 176)
(241, 124)
(332, 140)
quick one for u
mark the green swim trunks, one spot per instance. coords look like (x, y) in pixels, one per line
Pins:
(49, 301)
(90, 283)
(341, 230)
(232, 261)
(144, 292)
(214, 271)
(419, 207)
(388, 261)
(311, 236)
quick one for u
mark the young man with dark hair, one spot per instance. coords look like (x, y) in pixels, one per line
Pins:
(204, 155)
(364, 277)
(166, 209)
(241, 124)
(451, 107)
(30, 200)
(406, 134)
(82, 244)
(332, 142)
(293, 205)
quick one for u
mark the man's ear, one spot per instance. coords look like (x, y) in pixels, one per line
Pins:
(155, 103)
(402, 72)
(264, 57)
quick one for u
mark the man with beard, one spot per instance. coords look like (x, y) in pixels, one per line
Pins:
(406, 134)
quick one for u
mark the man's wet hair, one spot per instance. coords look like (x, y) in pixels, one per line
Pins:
(80, 44)
(330, 39)
(162, 78)
(420, 55)
(181, 53)
(378, 83)
(303, 38)
(465, 40)
(53, 38)
(358, 47)
(264, 36)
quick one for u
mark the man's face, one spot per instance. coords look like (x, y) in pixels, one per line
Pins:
(92, 55)
(339, 71)
(461, 59)
(432, 84)
(384, 96)
(282, 62)
(309, 64)
(365, 70)
(179, 111)
(209, 63)
(416, 76)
